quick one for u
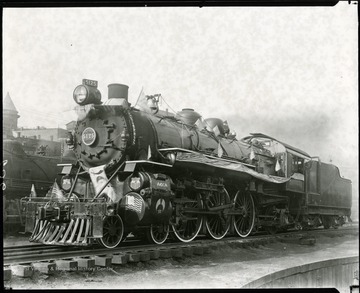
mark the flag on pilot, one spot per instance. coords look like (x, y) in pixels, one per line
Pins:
(33, 191)
(56, 192)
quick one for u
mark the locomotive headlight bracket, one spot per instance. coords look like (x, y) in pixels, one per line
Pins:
(87, 93)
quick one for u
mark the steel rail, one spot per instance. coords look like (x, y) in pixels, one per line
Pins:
(27, 253)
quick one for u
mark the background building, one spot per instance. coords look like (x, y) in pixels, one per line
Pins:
(35, 141)
(10, 116)
(51, 134)
(70, 126)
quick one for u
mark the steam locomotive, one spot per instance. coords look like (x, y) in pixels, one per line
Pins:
(23, 169)
(149, 172)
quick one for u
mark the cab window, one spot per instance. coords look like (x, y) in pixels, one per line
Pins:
(297, 165)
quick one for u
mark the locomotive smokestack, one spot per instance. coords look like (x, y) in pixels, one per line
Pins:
(118, 91)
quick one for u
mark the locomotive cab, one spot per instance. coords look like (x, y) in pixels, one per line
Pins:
(277, 158)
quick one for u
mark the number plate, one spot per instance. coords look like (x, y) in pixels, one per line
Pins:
(90, 82)
(88, 136)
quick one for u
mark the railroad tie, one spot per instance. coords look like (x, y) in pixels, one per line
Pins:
(7, 274)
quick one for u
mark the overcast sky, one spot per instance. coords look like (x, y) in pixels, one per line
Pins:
(289, 72)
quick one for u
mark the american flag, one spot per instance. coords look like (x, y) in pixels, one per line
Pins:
(56, 192)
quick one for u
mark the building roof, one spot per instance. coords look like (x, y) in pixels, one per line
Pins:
(8, 103)
(40, 128)
(71, 122)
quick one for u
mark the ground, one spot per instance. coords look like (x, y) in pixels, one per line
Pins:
(224, 267)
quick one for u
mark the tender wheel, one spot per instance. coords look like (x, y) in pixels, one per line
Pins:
(158, 233)
(335, 222)
(245, 219)
(113, 231)
(326, 220)
(218, 224)
(341, 220)
(189, 224)
(272, 230)
(298, 226)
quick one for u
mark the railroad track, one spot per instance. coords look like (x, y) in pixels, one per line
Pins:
(37, 253)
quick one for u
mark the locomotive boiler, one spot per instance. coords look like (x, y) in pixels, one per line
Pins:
(150, 172)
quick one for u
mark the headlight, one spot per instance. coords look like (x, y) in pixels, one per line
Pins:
(80, 94)
(87, 93)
